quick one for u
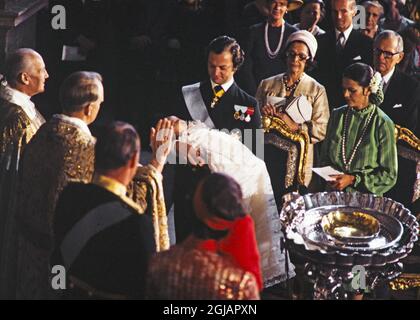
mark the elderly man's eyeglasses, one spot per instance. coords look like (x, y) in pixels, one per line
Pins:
(387, 54)
(301, 56)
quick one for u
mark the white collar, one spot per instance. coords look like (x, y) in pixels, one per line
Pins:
(225, 85)
(345, 32)
(388, 76)
(79, 123)
(21, 99)
(314, 31)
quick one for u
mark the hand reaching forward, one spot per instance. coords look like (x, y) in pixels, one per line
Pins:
(161, 142)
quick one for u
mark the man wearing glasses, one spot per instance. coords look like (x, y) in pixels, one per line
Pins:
(402, 92)
(401, 104)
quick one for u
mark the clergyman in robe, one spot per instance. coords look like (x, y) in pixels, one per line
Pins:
(61, 151)
(25, 75)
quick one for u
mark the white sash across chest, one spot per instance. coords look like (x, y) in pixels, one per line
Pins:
(196, 106)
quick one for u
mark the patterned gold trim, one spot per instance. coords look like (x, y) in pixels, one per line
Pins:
(275, 123)
(116, 188)
(411, 152)
(147, 185)
(292, 158)
(110, 184)
(406, 281)
(407, 136)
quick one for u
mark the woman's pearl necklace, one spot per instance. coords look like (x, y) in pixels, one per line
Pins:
(344, 139)
(271, 54)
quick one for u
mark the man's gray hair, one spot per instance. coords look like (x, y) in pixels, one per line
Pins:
(373, 3)
(389, 34)
(18, 62)
(79, 90)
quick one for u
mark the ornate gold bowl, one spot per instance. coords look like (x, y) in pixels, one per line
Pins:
(354, 226)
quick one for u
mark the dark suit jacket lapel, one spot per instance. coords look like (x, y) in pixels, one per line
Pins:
(330, 42)
(392, 92)
(351, 45)
(231, 92)
(206, 92)
(352, 40)
(332, 39)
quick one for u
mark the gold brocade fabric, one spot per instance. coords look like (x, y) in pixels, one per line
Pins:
(185, 272)
(16, 130)
(60, 152)
(119, 190)
(147, 191)
(16, 127)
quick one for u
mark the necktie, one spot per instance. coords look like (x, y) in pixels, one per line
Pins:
(384, 86)
(339, 45)
(218, 93)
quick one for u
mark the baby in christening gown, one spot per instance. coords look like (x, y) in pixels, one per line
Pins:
(226, 154)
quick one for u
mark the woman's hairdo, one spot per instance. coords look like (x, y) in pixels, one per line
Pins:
(359, 72)
(222, 196)
(364, 75)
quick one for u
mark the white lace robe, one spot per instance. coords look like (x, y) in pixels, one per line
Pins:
(226, 154)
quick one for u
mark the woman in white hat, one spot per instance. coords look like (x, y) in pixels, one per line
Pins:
(301, 48)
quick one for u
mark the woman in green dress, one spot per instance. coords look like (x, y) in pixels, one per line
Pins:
(360, 139)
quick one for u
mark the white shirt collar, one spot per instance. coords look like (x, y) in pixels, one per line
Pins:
(388, 76)
(345, 32)
(79, 123)
(314, 31)
(21, 99)
(225, 85)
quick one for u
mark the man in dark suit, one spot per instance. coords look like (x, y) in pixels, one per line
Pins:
(220, 104)
(103, 238)
(340, 48)
(401, 104)
(402, 92)
(220, 94)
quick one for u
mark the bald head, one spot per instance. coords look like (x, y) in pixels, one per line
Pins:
(25, 71)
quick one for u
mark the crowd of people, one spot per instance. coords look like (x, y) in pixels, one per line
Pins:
(189, 80)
